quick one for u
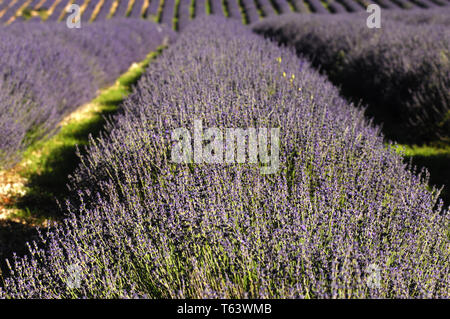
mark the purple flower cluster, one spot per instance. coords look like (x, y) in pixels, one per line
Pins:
(401, 70)
(47, 70)
(341, 204)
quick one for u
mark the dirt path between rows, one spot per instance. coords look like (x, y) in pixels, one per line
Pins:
(13, 183)
(15, 232)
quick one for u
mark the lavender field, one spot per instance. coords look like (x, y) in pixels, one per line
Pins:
(177, 13)
(401, 71)
(224, 149)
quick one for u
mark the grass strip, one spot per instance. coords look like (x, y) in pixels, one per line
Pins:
(436, 158)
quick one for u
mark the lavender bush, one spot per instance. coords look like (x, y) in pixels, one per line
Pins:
(47, 70)
(341, 203)
(401, 70)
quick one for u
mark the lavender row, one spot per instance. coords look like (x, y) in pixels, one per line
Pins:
(429, 4)
(200, 8)
(402, 4)
(136, 11)
(47, 70)
(87, 14)
(121, 9)
(267, 8)
(105, 10)
(168, 12)
(184, 14)
(250, 10)
(233, 9)
(60, 10)
(216, 7)
(11, 11)
(299, 6)
(152, 9)
(283, 6)
(386, 4)
(352, 5)
(432, 16)
(400, 70)
(336, 7)
(340, 205)
(317, 6)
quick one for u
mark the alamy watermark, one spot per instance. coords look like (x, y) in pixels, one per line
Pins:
(209, 147)
(73, 280)
(373, 279)
(73, 20)
(374, 19)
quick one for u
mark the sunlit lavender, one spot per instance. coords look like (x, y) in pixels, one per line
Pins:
(342, 202)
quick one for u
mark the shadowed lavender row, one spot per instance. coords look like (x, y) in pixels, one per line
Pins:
(341, 205)
(401, 70)
(47, 70)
